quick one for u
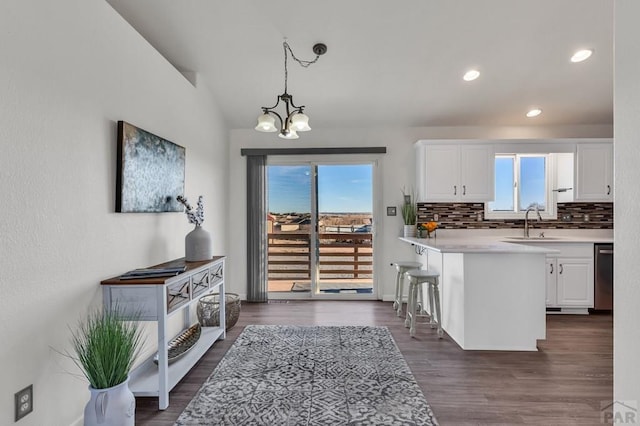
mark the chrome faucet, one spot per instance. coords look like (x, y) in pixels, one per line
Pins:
(526, 218)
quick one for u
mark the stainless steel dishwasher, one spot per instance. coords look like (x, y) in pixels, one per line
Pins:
(603, 279)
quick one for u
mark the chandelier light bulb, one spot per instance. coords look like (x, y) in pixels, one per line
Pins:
(266, 123)
(300, 123)
(288, 134)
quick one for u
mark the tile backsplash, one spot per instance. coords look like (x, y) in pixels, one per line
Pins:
(465, 216)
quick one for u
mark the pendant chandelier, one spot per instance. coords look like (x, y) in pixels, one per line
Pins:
(293, 120)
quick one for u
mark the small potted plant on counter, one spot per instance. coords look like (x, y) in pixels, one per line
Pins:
(409, 214)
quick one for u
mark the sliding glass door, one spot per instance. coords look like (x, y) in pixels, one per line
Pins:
(320, 230)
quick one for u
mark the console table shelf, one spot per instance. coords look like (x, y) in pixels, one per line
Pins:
(158, 299)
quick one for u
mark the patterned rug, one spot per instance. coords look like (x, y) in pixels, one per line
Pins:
(294, 375)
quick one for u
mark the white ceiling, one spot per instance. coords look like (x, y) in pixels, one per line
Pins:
(393, 63)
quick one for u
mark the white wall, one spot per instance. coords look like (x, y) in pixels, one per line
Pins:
(626, 328)
(69, 70)
(398, 167)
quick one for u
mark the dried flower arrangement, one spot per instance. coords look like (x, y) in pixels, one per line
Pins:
(196, 217)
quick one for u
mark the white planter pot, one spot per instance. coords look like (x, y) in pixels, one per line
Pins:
(115, 406)
(409, 231)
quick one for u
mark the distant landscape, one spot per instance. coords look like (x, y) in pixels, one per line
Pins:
(329, 222)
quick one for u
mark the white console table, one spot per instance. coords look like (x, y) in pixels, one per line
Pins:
(158, 299)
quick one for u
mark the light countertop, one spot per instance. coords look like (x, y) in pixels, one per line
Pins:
(473, 245)
(471, 242)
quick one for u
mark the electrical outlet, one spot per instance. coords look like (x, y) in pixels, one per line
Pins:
(566, 218)
(24, 402)
(435, 217)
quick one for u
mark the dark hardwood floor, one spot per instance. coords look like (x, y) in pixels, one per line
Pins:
(564, 383)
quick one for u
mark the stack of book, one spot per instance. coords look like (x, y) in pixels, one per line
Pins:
(152, 272)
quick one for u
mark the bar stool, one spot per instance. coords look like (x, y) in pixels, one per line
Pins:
(418, 277)
(402, 267)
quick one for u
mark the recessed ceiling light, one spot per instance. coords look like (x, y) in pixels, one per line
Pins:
(581, 55)
(534, 112)
(471, 75)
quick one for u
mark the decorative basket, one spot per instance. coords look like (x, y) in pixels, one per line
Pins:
(182, 343)
(209, 310)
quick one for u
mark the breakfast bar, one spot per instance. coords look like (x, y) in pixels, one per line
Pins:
(492, 292)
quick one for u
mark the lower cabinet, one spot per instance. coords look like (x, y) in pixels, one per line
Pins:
(570, 279)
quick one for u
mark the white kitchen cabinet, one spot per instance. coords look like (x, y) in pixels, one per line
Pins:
(575, 282)
(442, 167)
(594, 172)
(564, 166)
(569, 282)
(462, 172)
(569, 276)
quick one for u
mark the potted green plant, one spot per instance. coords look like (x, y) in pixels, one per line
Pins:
(106, 345)
(409, 214)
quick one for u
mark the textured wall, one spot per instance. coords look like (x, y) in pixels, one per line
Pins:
(465, 216)
(69, 71)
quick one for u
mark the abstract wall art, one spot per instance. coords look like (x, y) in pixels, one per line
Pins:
(150, 172)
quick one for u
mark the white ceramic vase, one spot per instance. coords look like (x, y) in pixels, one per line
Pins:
(197, 245)
(115, 406)
(409, 231)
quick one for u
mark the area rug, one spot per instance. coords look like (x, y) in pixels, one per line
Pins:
(295, 375)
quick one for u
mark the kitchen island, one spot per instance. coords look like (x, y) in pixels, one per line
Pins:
(492, 293)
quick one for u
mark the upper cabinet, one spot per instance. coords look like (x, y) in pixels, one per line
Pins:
(594, 172)
(454, 171)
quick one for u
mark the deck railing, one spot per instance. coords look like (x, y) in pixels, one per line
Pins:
(342, 255)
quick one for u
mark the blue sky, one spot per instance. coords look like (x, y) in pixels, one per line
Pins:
(532, 183)
(341, 188)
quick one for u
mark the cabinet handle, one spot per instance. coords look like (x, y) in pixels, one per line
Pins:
(455, 190)
(551, 265)
(464, 189)
(560, 266)
(608, 189)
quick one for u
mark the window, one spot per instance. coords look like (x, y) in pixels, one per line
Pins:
(520, 181)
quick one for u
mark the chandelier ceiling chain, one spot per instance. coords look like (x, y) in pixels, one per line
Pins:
(294, 119)
(304, 64)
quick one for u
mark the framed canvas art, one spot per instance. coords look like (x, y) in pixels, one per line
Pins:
(150, 172)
